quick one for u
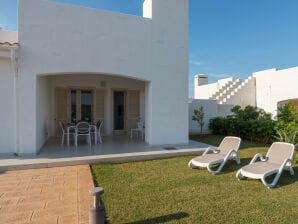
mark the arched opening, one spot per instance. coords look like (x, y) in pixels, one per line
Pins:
(116, 100)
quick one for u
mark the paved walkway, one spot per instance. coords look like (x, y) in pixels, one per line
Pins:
(50, 195)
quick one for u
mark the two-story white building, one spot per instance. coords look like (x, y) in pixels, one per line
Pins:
(67, 62)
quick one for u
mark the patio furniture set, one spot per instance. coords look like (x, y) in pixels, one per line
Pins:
(277, 159)
(82, 128)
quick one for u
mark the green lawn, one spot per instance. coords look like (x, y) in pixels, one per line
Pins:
(167, 191)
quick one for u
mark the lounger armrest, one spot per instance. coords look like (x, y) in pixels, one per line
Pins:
(211, 148)
(258, 156)
(232, 151)
(286, 163)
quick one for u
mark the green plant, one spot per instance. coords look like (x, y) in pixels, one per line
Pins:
(250, 123)
(285, 136)
(286, 126)
(198, 115)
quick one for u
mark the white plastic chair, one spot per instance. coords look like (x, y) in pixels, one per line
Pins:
(83, 129)
(97, 131)
(139, 129)
(66, 131)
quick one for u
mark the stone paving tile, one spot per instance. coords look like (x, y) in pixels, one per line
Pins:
(50, 195)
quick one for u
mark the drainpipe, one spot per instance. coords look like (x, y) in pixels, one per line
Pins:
(13, 58)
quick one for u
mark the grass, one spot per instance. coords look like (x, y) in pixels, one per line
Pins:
(216, 139)
(167, 191)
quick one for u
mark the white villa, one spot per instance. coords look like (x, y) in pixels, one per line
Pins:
(67, 62)
(264, 89)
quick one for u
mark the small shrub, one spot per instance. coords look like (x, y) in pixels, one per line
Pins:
(198, 115)
(287, 124)
(249, 123)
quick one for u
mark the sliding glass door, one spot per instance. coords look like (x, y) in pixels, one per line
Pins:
(81, 105)
(119, 112)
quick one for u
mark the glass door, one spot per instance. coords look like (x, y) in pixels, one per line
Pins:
(81, 105)
(86, 105)
(73, 108)
(119, 112)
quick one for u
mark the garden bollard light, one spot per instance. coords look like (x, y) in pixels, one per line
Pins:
(96, 211)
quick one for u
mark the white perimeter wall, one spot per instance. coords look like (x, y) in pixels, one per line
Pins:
(245, 95)
(211, 109)
(56, 38)
(206, 91)
(7, 111)
(273, 86)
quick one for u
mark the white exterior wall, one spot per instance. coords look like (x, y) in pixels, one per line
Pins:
(273, 86)
(56, 38)
(206, 91)
(8, 36)
(211, 109)
(7, 111)
(43, 110)
(245, 96)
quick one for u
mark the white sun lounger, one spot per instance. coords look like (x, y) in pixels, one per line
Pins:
(227, 150)
(278, 158)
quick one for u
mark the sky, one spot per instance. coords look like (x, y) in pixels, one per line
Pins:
(227, 38)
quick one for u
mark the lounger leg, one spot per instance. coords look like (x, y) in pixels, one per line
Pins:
(190, 165)
(239, 175)
(218, 169)
(237, 159)
(291, 171)
(274, 182)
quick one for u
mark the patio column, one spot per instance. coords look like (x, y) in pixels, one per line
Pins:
(166, 114)
(108, 111)
(27, 113)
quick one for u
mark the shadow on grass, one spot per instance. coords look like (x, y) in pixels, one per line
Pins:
(232, 166)
(285, 178)
(162, 219)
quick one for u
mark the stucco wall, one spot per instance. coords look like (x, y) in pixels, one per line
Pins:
(211, 109)
(245, 95)
(273, 86)
(7, 111)
(56, 38)
(43, 110)
(8, 36)
(206, 91)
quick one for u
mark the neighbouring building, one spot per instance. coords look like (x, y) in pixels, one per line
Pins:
(264, 89)
(67, 62)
